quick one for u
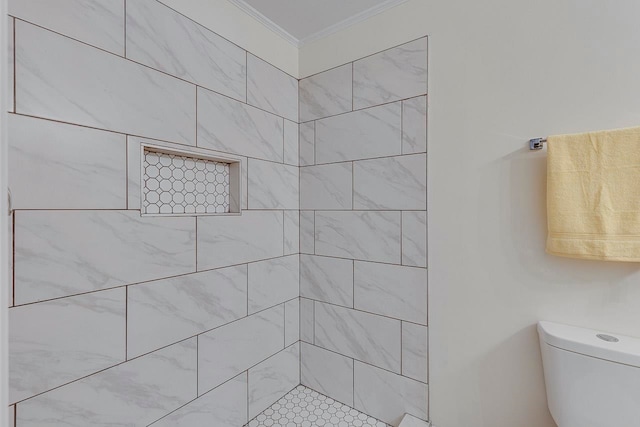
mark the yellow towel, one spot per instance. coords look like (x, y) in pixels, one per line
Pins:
(593, 195)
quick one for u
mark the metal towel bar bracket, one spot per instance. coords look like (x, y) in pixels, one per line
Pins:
(537, 143)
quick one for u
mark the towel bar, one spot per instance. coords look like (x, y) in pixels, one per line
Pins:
(537, 143)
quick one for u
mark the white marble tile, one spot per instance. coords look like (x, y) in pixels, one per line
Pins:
(291, 143)
(271, 89)
(59, 166)
(165, 311)
(273, 281)
(414, 238)
(414, 125)
(307, 143)
(227, 351)
(326, 94)
(291, 232)
(388, 396)
(307, 320)
(66, 80)
(99, 23)
(326, 186)
(232, 240)
(9, 244)
(227, 125)
(307, 225)
(10, 55)
(415, 352)
(224, 406)
(391, 183)
(163, 39)
(272, 185)
(368, 236)
(327, 279)
(291, 322)
(374, 132)
(411, 421)
(273, 378)
(391, 290)
(60, 253)
(363, 336)
(56, 342)
(327, 372)
(134, 393)
(393, 74)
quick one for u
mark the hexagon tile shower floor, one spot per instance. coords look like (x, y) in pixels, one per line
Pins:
(303, 407)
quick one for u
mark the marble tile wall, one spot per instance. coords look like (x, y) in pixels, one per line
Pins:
(119, 319)
(363, 232)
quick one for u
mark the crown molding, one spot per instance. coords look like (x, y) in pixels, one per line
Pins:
(346, 23)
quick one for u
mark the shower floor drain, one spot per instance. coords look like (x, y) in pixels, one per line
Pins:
(303, 407)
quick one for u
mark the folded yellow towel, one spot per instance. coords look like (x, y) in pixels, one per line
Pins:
(593, 195)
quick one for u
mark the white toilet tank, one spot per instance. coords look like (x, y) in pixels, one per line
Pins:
(592, 378)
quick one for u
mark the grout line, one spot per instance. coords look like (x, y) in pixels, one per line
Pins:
(126, 323)
(353, 186)
(401, 239)
(401, 348)
(314, 142)
(196, 242)
(402, 127)
(353, 84)
(197, 366)
(353, 284)
(248, 403)
(13, 258)
(346, 307)
(125, 28)
(313, 307)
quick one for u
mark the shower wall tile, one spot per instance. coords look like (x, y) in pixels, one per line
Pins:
(369, 338)
(10, 56)
(59, 166)
(62, 79)
(414, 125)
(368, 236)
(414, 351)
(387, 396)
(272, 185)
(391, 290)
(291, 144)
(99, 23)
(12, 415)
(232, 240)
(271, 89)
(169, 310)
(9, 243)
(307, 315)
(273, 281)
(414, 238)
(59, 253)
(391, 183)
(326, 94)
(291, 322)
(327, 279)
(132, 393)
(291, 232)
(165, 40)
(273, 378)
(326, 186)
(230, 126)
(307, 225)
(227, 351)
(59, 341)
(224, 406)
(374, 132)
(327, 372)
(307, 143)
(393, 74)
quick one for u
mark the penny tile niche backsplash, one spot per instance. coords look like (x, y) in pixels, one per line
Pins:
(195, 232)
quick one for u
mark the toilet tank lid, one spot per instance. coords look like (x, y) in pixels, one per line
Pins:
(591, 342)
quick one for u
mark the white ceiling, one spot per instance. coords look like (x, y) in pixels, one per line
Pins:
(303, 21)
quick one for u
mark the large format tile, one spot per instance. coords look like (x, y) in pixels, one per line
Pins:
(272, 185)
(368, 236)
(414, 238)
(393, 74)
(56, 342)
(99, 23)
(327, 279)
(273, 281)
(291, 232)
(59, 166)
(230, 126)
(363, 336)
(414, 125)
(227, 351)
(326, 186)
(391, 183)
(271, 89)
(327, 372)
(273, 378)
(307, 149)
(291, 143)
(169, 310)
(326, 94)
(307, 225)
(388, 396)
(163, 39)
(291, 321)
(391, 290)
(134, 393)
(307, 314)
(65, 80)
(414, 351)
(224, 406)
(60, 253)
(374, 132)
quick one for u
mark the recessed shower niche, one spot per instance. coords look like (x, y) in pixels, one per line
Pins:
(180, 182)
